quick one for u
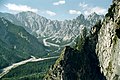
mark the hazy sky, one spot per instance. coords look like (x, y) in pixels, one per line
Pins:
(56, 9)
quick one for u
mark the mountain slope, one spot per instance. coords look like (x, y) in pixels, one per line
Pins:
(98, 56)
(17, 44)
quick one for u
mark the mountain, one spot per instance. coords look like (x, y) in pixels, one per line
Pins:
(17, 44)
(97, 56)
(108, 44)
(52, 32)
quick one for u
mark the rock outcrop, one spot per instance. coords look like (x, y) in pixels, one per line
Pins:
(108, 46)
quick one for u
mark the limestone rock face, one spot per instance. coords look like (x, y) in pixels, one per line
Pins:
(108, 46)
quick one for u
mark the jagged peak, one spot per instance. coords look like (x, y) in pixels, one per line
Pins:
(31, 14)
(26, 12)
(81, 16)
(92, 15)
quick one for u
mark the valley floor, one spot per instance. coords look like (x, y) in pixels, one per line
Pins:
(32, 59)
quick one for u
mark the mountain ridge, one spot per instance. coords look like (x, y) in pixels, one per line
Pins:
(42, 27)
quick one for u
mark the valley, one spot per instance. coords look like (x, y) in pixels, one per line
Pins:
(32, 34)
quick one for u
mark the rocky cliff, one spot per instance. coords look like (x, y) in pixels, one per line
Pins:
(97, 58)
(108, 46)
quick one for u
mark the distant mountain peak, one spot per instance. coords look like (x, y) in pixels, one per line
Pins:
(81, 16)
(26, 12)
(29, 14)
(94, 15)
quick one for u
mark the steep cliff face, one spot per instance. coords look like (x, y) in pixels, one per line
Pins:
(108, 46)
(98, 57)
